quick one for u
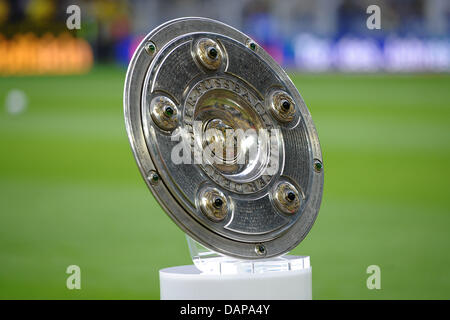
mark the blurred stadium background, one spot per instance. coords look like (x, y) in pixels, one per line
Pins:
(70, 192)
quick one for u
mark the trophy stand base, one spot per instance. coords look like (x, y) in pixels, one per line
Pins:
(217, 277)
(188, 283)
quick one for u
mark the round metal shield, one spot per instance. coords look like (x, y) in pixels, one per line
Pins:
(223, 139)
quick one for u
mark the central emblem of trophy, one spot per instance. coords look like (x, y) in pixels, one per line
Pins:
(225, 143)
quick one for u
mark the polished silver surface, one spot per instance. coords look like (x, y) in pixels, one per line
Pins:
(214, 204)
(164, 113)
(235, 161)
(287, 198)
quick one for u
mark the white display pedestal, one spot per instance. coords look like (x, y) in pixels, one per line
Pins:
(260, 282)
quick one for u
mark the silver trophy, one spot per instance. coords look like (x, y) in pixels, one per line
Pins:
(223, 139)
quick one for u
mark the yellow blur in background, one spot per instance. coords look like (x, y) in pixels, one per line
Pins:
(27, 54)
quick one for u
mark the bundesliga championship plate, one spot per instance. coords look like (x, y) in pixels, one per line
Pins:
(223, 139)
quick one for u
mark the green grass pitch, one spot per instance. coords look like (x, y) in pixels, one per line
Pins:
(71, 193)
